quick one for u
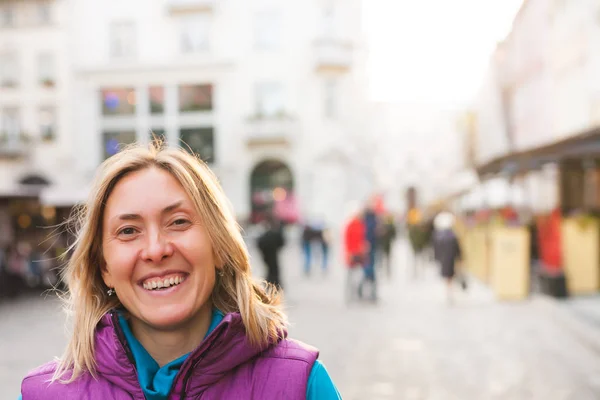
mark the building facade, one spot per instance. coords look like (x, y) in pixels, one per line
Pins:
(272, 96)
(538, 108)
(266, 93)
(36, 149)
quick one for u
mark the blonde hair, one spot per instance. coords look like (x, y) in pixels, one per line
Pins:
(234, 291)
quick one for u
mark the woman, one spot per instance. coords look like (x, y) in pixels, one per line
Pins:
(162, 299)
(355, 249)
(446, 249)
(270, 244)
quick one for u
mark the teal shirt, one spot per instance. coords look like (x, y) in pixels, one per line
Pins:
(156, 381)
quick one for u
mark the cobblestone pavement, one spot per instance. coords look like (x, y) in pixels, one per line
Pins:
(411, 345)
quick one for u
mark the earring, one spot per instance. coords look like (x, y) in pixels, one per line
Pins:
(110, 292)
(220, 272)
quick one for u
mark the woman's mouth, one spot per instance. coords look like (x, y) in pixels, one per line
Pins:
(164, 282)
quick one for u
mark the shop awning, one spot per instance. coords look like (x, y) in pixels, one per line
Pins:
(19, 191)
(63, 196)
(583, 145)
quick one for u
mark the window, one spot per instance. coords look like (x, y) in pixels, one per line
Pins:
(267, 30)
(9, 70)
(269, 100)
(7, 18)
(199, 141)
(44, 13)
(195, 34)
(157, 99)
(195, 98)
(10, 129)
(119, 101)
(114, 142)
(330, 96)
(328, 22)
(47, 121)
(46, 69)
(122, 40)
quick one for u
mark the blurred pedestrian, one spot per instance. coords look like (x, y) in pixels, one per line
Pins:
(17, 268)
(325, 240)
(322, 238)
(269, 244)
(387, 234)
(371, 227)
(355, 251)
(419, 237)
(162, 297)
(308, 235)
(447, 250)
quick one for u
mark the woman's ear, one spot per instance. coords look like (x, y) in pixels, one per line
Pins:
(106, 276)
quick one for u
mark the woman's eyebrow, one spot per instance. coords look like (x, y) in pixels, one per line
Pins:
(172, 207)
(134, 217)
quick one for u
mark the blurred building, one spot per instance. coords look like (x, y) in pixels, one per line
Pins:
(271, 95)
(538, 111)
(419, 147)
(36, 149)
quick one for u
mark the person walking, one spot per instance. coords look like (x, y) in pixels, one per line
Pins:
(308, 235)
(323, 237)
(162, 297)
(355, 249)
(269, 244)
(386, 239)
(446, 250)
(371, 228)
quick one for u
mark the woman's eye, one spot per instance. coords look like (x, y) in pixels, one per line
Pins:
(127, 231)
(180, 221)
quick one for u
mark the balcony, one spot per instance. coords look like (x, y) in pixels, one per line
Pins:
(270, 131)
(333, 55)
(191, 6)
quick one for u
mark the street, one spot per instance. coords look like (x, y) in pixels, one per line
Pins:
(411, 345)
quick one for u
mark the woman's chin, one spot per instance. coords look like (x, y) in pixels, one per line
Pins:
(170, 317)
(166, 318)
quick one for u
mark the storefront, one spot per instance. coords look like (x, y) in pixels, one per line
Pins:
(566, 236)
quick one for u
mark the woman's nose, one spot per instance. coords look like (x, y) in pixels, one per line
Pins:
(158, 247)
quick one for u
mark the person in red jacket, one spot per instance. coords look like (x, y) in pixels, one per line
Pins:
(355, 249)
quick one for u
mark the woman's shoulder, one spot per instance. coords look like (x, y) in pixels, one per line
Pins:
(291, 349)
(39, 380)
(39, 384)
(44, 371)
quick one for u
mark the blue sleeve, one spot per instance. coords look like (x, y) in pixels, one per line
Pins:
(320, 386)
(20, 397)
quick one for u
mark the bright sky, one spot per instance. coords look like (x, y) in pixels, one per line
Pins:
(432, 51)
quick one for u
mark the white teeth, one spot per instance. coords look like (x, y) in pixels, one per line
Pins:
(168, 282)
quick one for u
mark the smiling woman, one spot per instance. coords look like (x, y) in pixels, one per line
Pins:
(162, 298)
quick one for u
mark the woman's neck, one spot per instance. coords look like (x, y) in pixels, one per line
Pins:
(167, 345)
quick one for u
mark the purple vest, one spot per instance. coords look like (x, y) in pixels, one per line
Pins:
(224, 366)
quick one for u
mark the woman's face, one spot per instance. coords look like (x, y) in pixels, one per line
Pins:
(158, 255)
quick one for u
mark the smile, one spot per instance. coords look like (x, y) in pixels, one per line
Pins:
(163, 282)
